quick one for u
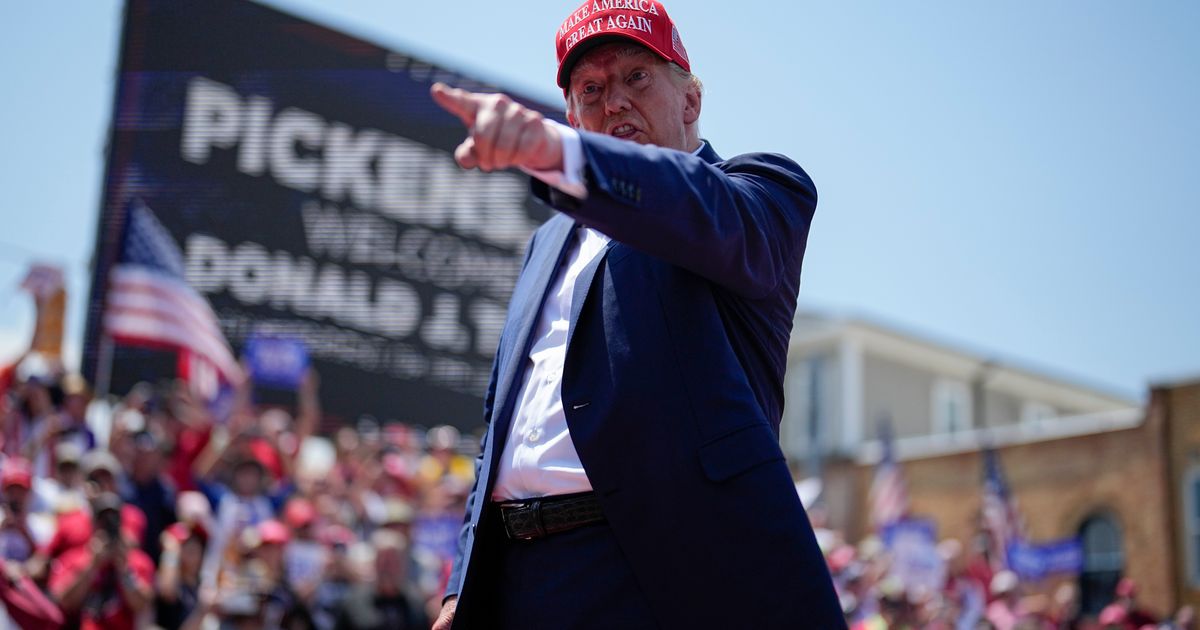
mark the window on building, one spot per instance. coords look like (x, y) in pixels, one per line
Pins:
(951, 406)
(1033, 412)
(1191, 522)
(1103, 562)
(805, 413)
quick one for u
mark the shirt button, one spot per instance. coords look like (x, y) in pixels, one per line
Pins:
(535, 435)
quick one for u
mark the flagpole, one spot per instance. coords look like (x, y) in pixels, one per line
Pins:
(104, 366)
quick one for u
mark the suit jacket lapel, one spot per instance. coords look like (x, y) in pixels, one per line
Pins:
(544, 263)
(583, 284)
(583, 287)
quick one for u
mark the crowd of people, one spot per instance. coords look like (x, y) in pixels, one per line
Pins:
(160, 515)
(971, 592)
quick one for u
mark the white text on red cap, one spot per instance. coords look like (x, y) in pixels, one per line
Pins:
(613, 22)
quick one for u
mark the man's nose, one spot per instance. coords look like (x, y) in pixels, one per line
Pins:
(616, 100)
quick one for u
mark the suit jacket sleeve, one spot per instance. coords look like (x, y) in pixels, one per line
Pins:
(742, 223)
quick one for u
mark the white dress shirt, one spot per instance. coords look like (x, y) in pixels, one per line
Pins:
(539, 458)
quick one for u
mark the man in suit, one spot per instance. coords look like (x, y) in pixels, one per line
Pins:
(631, 475)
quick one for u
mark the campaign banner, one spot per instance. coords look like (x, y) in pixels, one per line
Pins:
(912, 543)
(309, 180)
(1034, 561)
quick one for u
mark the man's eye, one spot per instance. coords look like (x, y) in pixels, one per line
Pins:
(637, 76)
(591, 89)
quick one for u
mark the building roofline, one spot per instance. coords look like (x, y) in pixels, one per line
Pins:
(1174, 382)
(966, 350)
(939, 445)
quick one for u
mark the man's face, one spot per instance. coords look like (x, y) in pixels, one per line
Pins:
(247, 480)
(68, 473)
(16, 496)
(106, 481)
(75, 406)
(390, 571)
(146, 465)
(624, 90)
(191, 555)
(272, 555)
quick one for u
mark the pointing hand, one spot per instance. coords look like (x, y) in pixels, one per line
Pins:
(501, 132)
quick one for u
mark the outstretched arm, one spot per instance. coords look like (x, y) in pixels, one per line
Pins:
(742, 225)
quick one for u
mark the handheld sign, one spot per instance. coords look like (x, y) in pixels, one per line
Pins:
(278, 362)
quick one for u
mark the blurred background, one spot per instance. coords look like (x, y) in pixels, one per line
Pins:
(993, 393)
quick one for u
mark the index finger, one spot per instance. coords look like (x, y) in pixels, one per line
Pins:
(456, 101)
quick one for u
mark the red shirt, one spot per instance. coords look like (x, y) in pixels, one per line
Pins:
(104, 608)
(75, 529)
(190, 444)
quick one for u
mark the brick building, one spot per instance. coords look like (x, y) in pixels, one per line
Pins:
(1123, 478)
(1128, 487)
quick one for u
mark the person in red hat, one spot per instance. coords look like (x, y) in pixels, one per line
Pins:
(306, 556)
(631, 476)
(177, 582)
(1126, 596)
(17, 538)
(107, 583)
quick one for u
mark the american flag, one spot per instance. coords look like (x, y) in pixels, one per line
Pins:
(150, 303)
(999, 514)
(889, 490)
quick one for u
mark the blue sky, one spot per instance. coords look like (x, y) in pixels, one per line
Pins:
(1016, 178)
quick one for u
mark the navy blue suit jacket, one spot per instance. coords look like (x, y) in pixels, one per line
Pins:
(673, 381)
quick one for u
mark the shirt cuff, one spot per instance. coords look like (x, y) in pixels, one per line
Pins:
(570, 179)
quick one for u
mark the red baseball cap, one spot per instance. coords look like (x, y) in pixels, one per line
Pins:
(133, 522)
(299, 512)
(181, 532)
(17, 472)
(395, 466)
(273, 533)
(1113, 614)
(337, 535)
(1126, 588)
(600, 21)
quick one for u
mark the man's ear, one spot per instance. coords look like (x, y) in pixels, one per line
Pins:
(572, 120)
(691, 104)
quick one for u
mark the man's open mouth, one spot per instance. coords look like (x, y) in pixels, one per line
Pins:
(624, 131)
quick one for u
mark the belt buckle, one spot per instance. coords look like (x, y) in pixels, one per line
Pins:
(531, 511)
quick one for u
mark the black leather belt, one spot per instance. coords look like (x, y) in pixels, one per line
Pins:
(530, 519)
